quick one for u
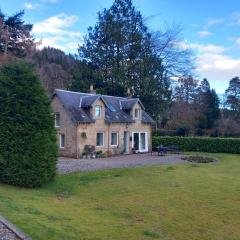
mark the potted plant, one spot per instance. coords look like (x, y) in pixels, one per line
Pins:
(134, 150)
(84, 155)
(108, 153)
(84, 135)
(98, 154)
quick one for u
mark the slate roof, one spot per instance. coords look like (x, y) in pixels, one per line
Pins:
(117, 108)
(127, 104)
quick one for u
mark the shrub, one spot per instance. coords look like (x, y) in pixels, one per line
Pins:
(201, 144)
(28, 149)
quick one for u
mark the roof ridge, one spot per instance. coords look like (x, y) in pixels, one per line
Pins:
(104, 95)
(91, 94)
(130, 99)
(62, 90)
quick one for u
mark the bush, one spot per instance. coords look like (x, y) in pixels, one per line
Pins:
(201, 144)
(28, 149)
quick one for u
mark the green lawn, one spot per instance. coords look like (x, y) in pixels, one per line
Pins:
(179, 202)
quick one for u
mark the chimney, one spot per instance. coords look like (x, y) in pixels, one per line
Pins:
(92, 91)
(129, 94)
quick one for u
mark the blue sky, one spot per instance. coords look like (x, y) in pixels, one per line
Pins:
(210, 28)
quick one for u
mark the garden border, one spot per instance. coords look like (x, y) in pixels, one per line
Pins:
(14, 229)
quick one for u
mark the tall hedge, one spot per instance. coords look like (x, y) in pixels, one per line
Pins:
(201, 144)
(28, 150)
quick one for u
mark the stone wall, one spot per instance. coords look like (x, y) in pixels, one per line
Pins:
(68, 128)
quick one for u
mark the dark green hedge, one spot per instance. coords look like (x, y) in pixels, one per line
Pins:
(201, 144)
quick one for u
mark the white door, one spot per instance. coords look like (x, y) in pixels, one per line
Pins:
(140, 143)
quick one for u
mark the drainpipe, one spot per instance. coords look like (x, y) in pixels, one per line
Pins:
(108, 135)
(77, 143)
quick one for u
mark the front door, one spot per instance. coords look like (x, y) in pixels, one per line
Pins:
(140, 143)
(126, 142)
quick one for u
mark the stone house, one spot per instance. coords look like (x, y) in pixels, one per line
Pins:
(115, 124)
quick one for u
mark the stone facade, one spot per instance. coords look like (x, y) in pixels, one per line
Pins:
(77, 135)
(68, 128)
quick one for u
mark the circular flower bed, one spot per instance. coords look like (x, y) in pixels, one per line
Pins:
(200, 159)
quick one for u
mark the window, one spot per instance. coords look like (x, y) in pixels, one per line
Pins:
(114, 139)
(137, 113)
(98, 111)
(62, 140)
(100, 140)
(57, 119)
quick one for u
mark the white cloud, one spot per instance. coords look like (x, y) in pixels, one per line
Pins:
(214, 63)
(55, 24)
(30, 6)
(209, 48)
(204, 33)
(56, 32)
(214, 21)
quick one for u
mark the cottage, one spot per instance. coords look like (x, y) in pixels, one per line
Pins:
(115, 124)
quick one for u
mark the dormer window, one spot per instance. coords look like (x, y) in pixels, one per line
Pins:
(137, 113)
(98, 111)
(57, 119)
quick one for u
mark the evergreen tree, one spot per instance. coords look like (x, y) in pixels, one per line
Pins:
(27, 136)
(209, 105)
(233, 95)
(15, 36)
(121, 51)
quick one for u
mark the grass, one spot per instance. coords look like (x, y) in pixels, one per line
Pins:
(177, 202)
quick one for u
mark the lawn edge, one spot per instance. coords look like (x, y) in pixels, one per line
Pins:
(20, 234)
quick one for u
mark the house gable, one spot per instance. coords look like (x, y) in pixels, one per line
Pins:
(67, 128)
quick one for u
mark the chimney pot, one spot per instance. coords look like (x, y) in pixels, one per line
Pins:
(92, 89)
(129, 94)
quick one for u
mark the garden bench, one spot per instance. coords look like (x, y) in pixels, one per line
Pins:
(163, 150)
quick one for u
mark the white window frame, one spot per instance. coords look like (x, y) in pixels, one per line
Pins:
(146, 141)
(114, 145)
(139, 113)
(100, 111)
(103, 139)
(55, 115)
(60, 140)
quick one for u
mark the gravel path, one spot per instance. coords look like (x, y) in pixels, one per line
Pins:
(68, 165)
(6, 234)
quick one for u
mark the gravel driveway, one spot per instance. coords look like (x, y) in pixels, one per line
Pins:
(68, 165)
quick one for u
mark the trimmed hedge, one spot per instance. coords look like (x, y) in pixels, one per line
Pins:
(201, 144)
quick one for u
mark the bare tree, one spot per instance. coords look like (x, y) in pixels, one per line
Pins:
(176, 58)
